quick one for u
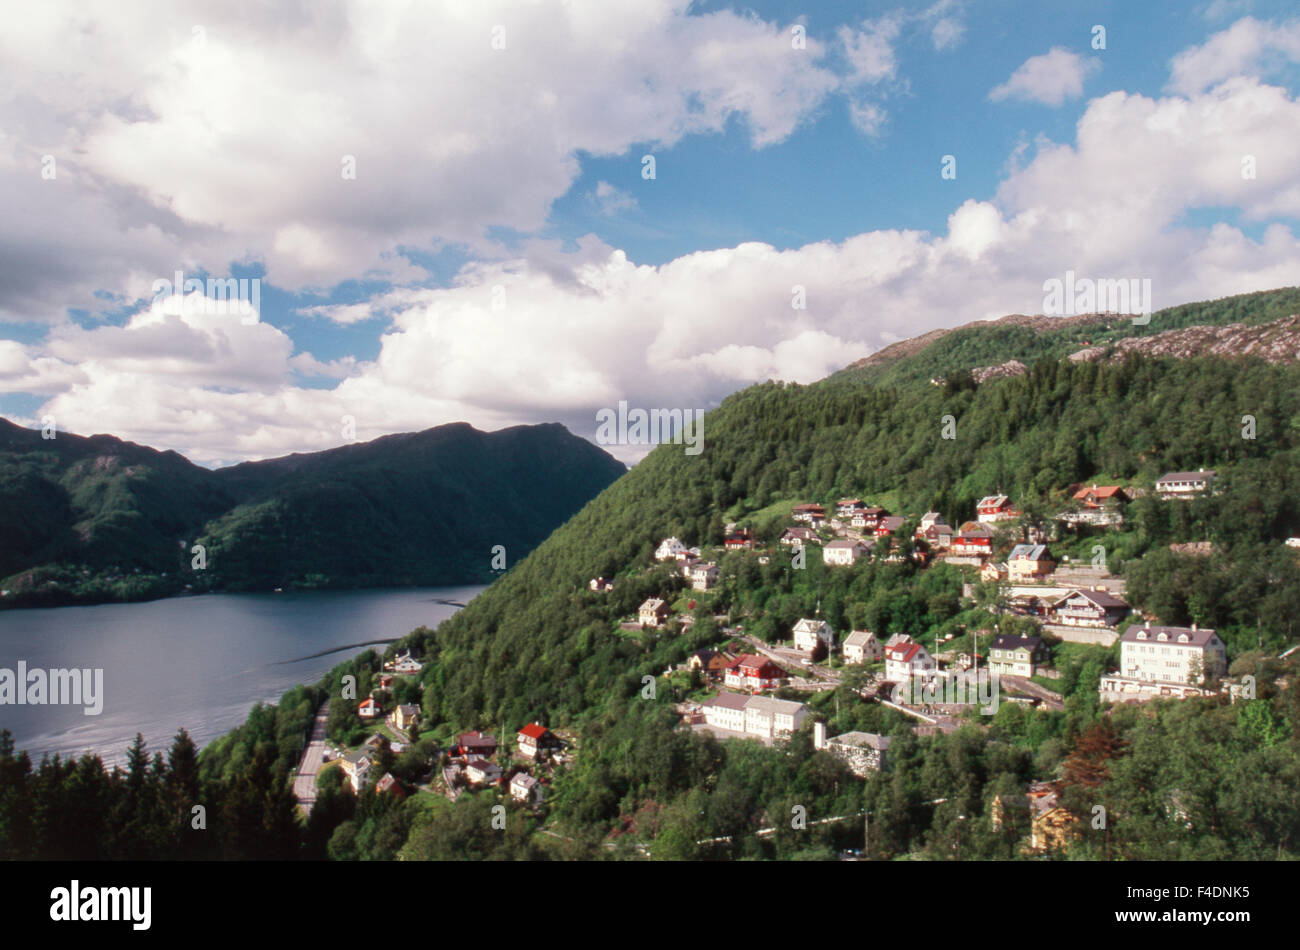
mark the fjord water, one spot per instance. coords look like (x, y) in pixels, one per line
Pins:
(196, 662)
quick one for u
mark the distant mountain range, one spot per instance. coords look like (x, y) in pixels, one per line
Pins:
(95, 519)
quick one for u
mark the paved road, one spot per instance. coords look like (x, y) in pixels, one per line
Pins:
(1033, 689)
(313, 757)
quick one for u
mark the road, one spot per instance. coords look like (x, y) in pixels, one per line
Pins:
(313, 757)
(1051, 699)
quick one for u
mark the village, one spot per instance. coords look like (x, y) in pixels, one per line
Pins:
(745, 688)
(732, 686)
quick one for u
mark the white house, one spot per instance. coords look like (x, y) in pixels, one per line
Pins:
(905, 658)
(668, 549)
(861, 646)
(482, 772)
(1185, 484)
(808, 632)
(524, 788)
(844, 552)
(704, 576)
(726, 711)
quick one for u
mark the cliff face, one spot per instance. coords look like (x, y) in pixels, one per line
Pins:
(1276, 342)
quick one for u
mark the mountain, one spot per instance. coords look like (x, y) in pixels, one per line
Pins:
(538, 645)
(1029, 338)
(98, 518)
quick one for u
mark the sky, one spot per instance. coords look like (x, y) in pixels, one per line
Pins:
(533, 211)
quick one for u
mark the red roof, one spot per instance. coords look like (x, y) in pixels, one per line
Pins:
(533, 731)
(903, 652)
(369, 702)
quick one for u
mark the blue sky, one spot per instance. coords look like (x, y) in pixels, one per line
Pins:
(499, 258)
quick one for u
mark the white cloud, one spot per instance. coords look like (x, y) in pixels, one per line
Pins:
(1050, 79)
(610, 200)
(176, 153)
(1249, 46)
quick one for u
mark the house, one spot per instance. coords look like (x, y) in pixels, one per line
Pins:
(862, 752)
(905, 658)
(391, 785)
(356, 766)
(1092, 607)
(814, 515)
(370, 709)
(385, 680)
(480, 744)
(973, 539)
(754, 673)
(704, 576)
(653, 613)
(1185, 484)
(534, 739)
(601, 584)
(861, 646)
(754, 715)
(726, 711)
(482, 772)
(403, 663)
(887, 525)
(1029, 562)
(524, 788)
(797, 537)
(686, 565)
(844, 552)
(808, 632)
(994, 508)
(868, 518)
(1015, 656)
(668, 549)
(406, 716)
(1100, 496)
(991, 572)
(742, 540)
(1165, 661)
(713, 663)
(934, 530)
(1051, 826)
(848, 507)
(769, 718)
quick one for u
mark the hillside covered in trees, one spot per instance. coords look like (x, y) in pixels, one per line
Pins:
(87, 519)
(1201, 778)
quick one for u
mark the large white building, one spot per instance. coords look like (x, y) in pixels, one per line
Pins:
(760, 716)
(1165, 661)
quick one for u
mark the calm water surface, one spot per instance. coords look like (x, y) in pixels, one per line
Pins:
(197, 662)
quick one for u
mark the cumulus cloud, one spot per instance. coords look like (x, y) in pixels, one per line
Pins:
(1050, 79)
(1249, 46)
(249, 135)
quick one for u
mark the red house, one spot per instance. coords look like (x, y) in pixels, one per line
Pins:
(742, 540)
(1098, 495)
(754, 672)
(972, 539)
(888, 525)
(534, 738)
